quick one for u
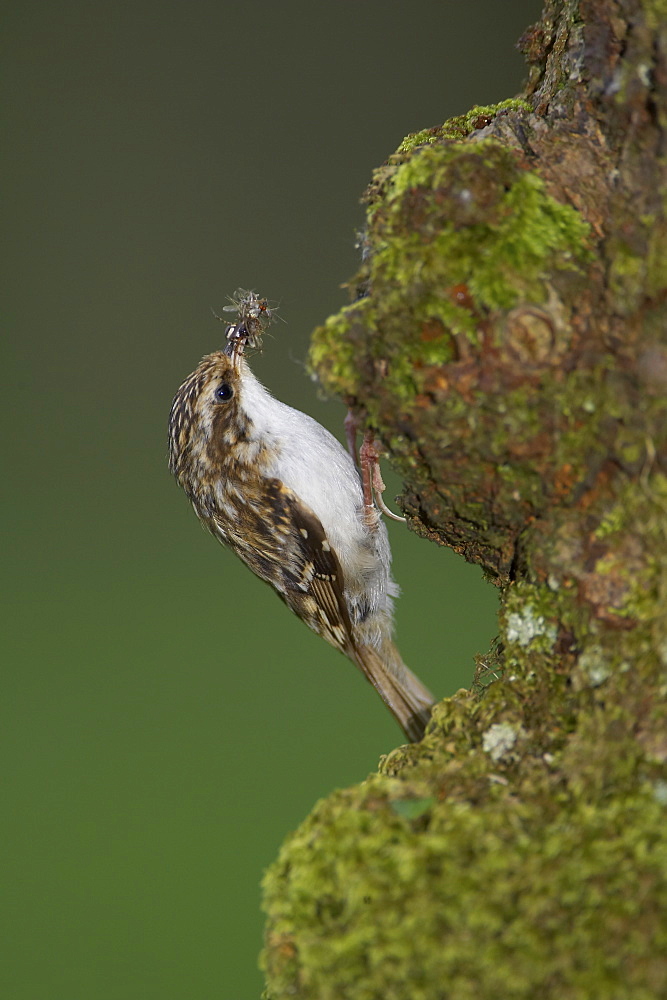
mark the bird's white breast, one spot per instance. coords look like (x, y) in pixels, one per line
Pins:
(315, 466)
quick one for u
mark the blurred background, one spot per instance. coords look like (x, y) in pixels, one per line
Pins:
(166, 720)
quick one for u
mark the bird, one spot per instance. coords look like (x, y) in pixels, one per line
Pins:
(278, 489)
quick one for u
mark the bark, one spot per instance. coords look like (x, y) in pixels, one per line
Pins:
(508, 343)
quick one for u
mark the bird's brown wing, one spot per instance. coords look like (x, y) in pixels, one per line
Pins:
(284, 543)
(295, 557)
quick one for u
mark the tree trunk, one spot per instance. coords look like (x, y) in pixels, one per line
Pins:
(508, 343)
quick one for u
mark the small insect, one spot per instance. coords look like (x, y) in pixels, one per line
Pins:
(254, 316)
(249, 305)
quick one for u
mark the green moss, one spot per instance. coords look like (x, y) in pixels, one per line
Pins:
(631, 530)
(462, 125)
(528, 621)
(627, 276)
(656, 263)
(493, 226)
(638, 266)
(655, 12)
(612, 522)
(453, 216)
(333, 352)
(519, 851)
(488, 889)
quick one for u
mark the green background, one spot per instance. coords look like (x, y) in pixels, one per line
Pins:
(166, 721)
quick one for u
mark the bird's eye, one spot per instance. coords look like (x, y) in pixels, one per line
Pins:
(224, 392)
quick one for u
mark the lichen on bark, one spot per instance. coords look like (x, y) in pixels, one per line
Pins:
(507, 341)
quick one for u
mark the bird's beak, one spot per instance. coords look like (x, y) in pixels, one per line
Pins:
(236, 341)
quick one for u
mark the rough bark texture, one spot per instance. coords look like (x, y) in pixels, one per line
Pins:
(510, 348)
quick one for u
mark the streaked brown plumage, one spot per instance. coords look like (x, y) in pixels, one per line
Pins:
(284, 495)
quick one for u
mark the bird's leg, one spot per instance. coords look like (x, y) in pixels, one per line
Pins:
(368, 457)
(367, 461)
(371, 481)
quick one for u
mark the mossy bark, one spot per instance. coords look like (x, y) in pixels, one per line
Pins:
(508, 343)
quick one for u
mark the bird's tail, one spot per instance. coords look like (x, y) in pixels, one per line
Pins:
(402, 692)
